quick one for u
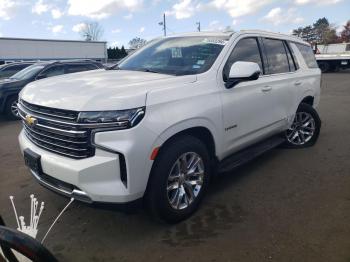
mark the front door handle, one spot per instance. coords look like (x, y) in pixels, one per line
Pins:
(266, 88)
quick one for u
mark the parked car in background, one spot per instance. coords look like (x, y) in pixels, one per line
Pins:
(9, 70)
(332, 57)
(169, 116)
(10, 87)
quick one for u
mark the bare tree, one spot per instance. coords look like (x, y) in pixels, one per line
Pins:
(137, 42)
(91, 31)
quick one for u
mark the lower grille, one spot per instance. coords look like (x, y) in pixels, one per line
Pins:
(51, 133)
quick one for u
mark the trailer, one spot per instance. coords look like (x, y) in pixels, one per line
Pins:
(25, 49)
(332, 57)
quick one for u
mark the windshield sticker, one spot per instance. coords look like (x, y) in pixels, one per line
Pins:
(176, 52)
(215, 41)
(196, 66)
(200, 62)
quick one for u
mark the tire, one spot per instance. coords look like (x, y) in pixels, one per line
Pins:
(305, 129)
(324, 66)
(166, 185)
(10, 108)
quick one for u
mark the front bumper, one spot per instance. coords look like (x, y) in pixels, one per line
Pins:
(98, 178)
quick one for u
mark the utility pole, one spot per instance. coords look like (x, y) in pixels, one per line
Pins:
(163, 24)
(198, 26)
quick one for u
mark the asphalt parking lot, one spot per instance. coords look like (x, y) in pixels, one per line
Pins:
(288, 205)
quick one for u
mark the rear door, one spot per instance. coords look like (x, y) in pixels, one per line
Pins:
(283, 80)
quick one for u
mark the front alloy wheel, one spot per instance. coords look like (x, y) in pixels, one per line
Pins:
(185, 180)
(14, 108)
(179, 179)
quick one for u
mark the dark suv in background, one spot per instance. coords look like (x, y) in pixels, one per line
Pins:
(9, 70)
(10, 87)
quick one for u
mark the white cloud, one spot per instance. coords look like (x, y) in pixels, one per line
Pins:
(183, 9)
(0, 34)
(278, 16)
(79, 27)
(215, 25)
(319, 2)
(56, 13)
(101, 9)
(237, 8)
(40, 7)
(128, 16)
(7, 9)
(142, 29)
(113, 44)
(340, 28)
(116, 30)
(57, 29)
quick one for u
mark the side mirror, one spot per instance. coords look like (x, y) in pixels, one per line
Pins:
(241, 72)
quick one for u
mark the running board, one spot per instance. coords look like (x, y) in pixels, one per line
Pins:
(248, 154)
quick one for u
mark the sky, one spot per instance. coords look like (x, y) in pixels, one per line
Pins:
(123, 20)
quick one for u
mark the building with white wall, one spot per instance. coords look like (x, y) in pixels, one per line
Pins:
(24, 49)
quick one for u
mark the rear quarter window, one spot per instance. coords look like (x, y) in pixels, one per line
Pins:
(308, 55)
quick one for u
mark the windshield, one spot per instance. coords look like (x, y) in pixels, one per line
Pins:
(28, 72)
(176, 55)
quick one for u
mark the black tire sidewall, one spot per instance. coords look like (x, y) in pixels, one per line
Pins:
(157, 193)
(8, 111)
(308, 109)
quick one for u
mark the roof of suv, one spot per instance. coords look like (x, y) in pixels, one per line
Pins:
(230, 33)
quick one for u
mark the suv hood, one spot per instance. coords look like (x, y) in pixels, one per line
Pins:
(99, 89)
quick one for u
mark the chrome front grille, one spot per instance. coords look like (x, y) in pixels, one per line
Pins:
(56, 130)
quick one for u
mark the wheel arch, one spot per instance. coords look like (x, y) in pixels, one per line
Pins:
(308, 99)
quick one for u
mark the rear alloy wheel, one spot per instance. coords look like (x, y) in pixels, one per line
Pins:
(305, 129)
(11, 108)
(179, 179)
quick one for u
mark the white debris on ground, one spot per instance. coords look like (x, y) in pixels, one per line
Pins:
(31, 229)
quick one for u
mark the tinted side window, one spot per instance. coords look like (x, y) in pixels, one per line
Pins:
(52, 71)
(292, 66)
(246, 50)
(79, 68)
(295, 60)
(308, 55)
(11, 70)
(347, 47)
(276, 56)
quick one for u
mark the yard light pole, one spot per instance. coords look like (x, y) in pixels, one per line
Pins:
(198, 26)
(163, 24)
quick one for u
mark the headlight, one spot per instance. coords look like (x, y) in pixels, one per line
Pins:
(120, 119)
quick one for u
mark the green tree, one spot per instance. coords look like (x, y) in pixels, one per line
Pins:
(137, 42)
(321, 32)
(345, 34)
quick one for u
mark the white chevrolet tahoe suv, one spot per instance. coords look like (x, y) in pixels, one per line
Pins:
(169, 116)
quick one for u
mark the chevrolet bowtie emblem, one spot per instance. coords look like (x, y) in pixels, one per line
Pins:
(31, 121)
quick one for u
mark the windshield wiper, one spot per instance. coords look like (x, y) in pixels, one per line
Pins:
(115, 67)
(150, 71)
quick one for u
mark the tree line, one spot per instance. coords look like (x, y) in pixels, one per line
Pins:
(323, 32)
(116, 52)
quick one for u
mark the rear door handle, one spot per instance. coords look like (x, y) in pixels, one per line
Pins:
(266, 88)
(298, 83)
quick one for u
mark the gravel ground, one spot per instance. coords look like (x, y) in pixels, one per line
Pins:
(288, 205)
